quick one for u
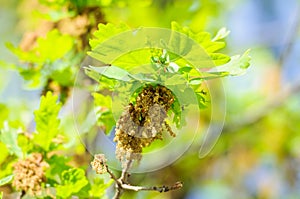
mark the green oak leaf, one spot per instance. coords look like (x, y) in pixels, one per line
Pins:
(116, 73)
(64, 44)
(43, 52)
(72, 181)
(112, 72)
(99, 188)
(47, 122)
(103, 111)
(237, 66)
(204, 39)
(219, 58)
(106, 31)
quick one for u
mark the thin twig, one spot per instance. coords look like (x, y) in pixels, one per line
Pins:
(161, 189)
(124, 175)
(121, 183)
(119, 190)
(122, 180)
(112, 175)
(118, 194)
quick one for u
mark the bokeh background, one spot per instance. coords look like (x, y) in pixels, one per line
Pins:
(258, 152)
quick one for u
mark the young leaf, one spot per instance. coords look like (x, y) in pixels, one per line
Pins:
(219, 58)
(111, 72)
(221, 34)
(58, 164)
(98, 188)
(47, 123)
(63, 44)
(204, 40)
(9, 137)
(201, 100)
(237, 65)
(185, 69)
(179, 42)
(6, 180)
(142, 77)
(72, 181)
(133, 59)
(106, 31)
(173, 80)
(47, 62)
(43, 52)
(195, 80)
(103, 111)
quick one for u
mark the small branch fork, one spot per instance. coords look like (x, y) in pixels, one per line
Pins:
(122, 184)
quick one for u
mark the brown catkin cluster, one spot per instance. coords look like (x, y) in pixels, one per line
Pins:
(142, 123)
(99, 164)
(29, 174)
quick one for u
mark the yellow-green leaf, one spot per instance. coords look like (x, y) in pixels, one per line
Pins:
(47, 122)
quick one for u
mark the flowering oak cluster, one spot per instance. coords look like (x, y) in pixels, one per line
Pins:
(143, 122)
(30, 173)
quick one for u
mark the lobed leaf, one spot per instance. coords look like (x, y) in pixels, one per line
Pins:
(237, 65)
(209, 45)
(72, 181)
(106, 31)
(99, 188)
(43, 52)
(219, 58)
(47, 122)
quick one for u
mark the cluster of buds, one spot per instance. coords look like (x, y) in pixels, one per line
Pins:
(99, 164)
(143, 122)
(29, 174)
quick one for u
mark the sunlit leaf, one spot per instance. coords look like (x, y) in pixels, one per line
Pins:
(237, 65)
(44, 51)
(99, 188)
(219, 58)
(58, 164)
(47, 123)
(179, 43)
(72, 181)
(6, 180)
(209, 45)
(106, 31)
(9, 137)
(63, 44)
(104, 111)
(206, 76)
(221, 34)
(133, 59)
(112, 72)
